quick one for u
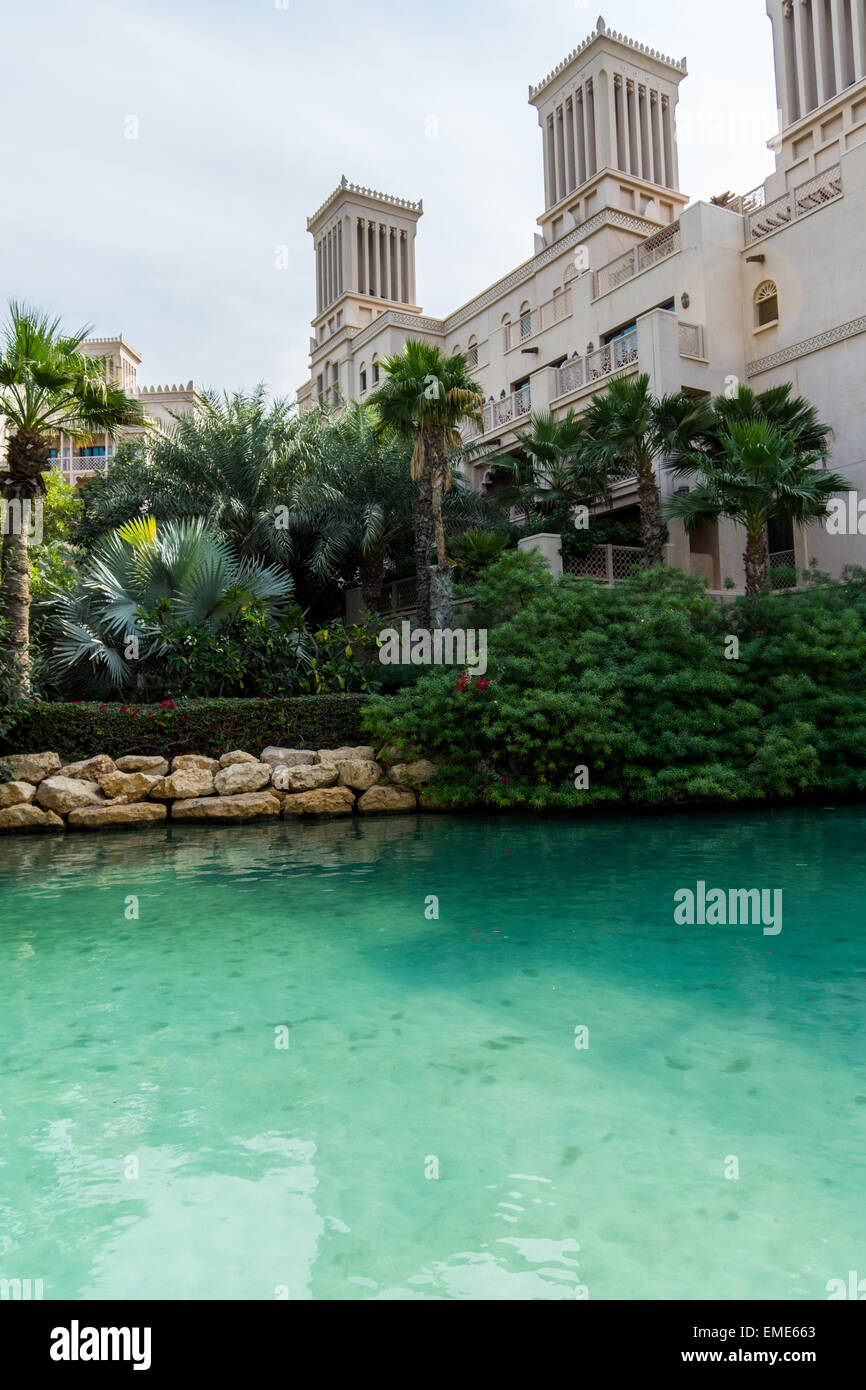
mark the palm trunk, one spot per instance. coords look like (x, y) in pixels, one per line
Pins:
(372, 574)
(423, 537)
(650, 512)
(756, 559)
(442, 610)
(15, 595)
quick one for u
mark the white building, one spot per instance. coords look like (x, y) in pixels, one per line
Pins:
(628, 277)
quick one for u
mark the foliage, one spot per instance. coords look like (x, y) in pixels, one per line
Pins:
(632, 682)
(211, 727)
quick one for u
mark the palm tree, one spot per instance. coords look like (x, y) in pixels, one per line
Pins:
(103, 625)
(424, 399)
(756, 472)
(630, 428)
(47, 387)
(562, 468)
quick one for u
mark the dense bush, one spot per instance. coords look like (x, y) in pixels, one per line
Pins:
(633, 683)
(189, 726)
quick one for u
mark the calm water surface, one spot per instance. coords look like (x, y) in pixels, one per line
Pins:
(156, 1143)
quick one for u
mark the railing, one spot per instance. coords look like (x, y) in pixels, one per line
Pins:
(606, 563)
(646, 253)
(691, 340)
(537, 320)
(579, 371)
(502, 412)
(814, 193)
(78, 466)
(747, 203)
(782, 565)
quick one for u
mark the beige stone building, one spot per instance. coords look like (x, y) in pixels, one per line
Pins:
(628, 276)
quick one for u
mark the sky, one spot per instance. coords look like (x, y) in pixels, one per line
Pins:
(160, 160)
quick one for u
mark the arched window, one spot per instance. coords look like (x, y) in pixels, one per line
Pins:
(525, 320)
(506, 331)
(766, 303)
(362, 376)
(375, 369)
(472, 352)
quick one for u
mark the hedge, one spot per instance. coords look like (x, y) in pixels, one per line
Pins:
(212, 727)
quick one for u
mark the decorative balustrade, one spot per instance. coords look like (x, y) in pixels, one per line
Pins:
(502, 412)
(537, 320)
(814, 193)
(606, 563)
(646, 253)
(579, 371)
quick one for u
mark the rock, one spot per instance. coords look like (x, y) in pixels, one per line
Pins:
(32, 767)
(98, 817)
(63, 794)
(249, 806)
(126, 788)
(305, 779)
(412, 774)
(186, 782)
(326, 801)
(27, 817)
(386, 799)
(339, 755)
(89, 769)
(238, 756)
(392, 754)
(184, 761)
(242, 777)
(288, 757)
(16, 794)
(136, 763)
(359, 773)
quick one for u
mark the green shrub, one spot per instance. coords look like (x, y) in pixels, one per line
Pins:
(211, 727)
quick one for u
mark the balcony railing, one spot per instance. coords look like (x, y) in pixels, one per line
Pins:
(579, 371)
(814, 193)
(782, 565)
(537, 320)
(605, 563)
(646, 253)
(74, 466)
(502, 412)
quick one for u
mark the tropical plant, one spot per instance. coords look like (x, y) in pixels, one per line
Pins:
(475, 551)
(108, 628)
(562, 469)
(424, 398)
(630, 429)
(48, 386)
(754, 473)
(792, 415)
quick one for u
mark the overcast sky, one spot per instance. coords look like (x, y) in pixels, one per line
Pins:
(244, 114)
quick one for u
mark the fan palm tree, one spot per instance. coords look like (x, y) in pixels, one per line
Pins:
(48, 386)
(425, 398)
(631, 428)
(562, 469)
(755, 473)
(792, 415)
(103, 624)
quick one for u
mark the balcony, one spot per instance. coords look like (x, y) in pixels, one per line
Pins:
(641, 257)
(581, 371)
(505, 411)
(796, 203)
(605, 563)
(74, 467)
(536, 321)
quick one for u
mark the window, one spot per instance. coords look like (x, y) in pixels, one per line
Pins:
(767, 303)
(375, 372)
(506, 331)
(472, 353)
(525, 320)
(363, 377)
(320, 387)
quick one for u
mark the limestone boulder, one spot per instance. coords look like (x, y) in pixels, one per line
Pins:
(412, 774)
(359, 773)
(305, 779)
(247, 806)
(237, 756)
(65, 794)
(33, 767)
(288, 757)
(89, 769)
(16, 794)
(184, 761)
(185, 782)
(25, 816)
(387, 800)
(242, 777)
(141, 763)
(127, 788)
(391, 754)
(102, 817)
(325, 801)
(339, 755)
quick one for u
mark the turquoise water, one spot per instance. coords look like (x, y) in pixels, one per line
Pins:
(154, 1142)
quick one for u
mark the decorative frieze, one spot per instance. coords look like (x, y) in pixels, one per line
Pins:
(821, 340)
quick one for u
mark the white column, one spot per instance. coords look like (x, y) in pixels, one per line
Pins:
(372, 272)
(353, 256)
(579, 136)
(590, 130)
(821, 40)
(650, 133)
(672, 158)
(570, 163)
(560, 152)
(839, 40)
(318, 276)
(800, 41)
(667, 149)
(341, 268)
(412, 289)
(858, 34)
(554, 165)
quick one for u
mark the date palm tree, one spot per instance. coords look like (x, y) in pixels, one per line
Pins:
(755, 472)
(48, 386)
(425, 398)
